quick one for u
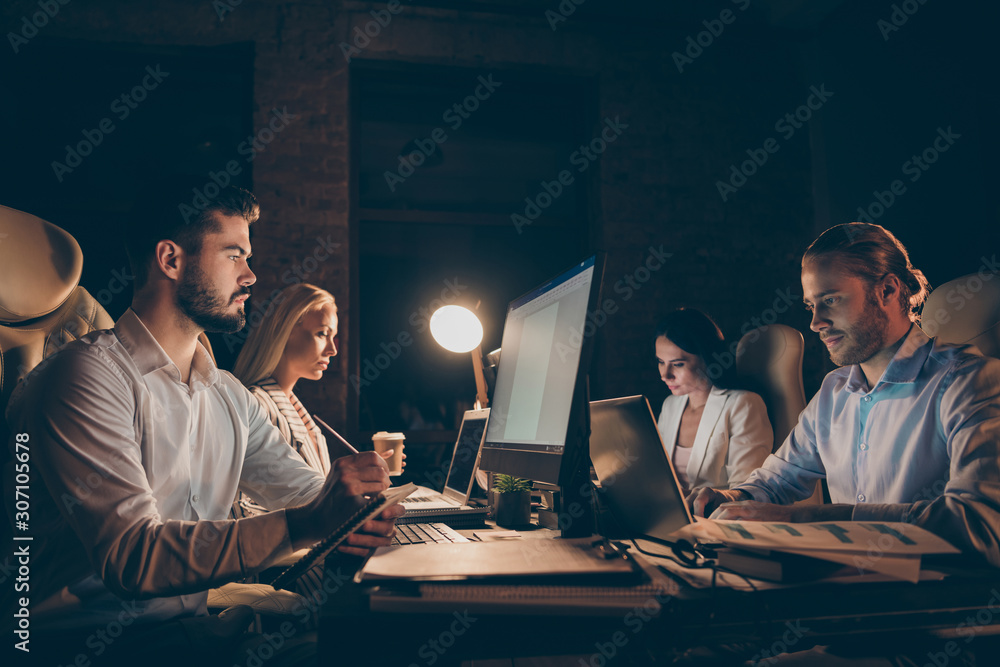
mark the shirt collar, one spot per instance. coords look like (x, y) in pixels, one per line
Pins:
(149, 357)
(904, 366)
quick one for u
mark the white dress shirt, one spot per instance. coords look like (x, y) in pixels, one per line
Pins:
(134, 474)
(921, 446)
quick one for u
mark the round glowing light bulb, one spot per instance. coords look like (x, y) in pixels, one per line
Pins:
(456, 329)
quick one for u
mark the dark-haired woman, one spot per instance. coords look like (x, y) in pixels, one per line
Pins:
(714, 434)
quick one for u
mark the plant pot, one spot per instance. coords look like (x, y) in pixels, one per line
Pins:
(513, 509)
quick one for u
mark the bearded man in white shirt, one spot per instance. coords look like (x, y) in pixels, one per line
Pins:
(908, 429)
(140, 444)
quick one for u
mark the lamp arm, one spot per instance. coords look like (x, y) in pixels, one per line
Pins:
(482, 400)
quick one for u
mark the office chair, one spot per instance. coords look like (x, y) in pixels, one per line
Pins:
(42, 306)
(966, 311)
(769, 360)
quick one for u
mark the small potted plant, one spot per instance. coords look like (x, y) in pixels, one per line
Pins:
(513, 501)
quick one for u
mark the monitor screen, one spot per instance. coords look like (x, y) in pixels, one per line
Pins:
(542, 371)
(463, 461)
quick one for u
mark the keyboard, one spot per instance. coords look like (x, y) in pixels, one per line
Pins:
(422, 499)
(422, 533)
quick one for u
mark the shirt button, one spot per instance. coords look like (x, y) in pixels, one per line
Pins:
(868, 399)
(861, 497)
(864, 446)
(195, 498)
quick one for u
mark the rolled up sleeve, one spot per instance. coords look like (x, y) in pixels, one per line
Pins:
(86, 431)
(967, 513)
(790, 474)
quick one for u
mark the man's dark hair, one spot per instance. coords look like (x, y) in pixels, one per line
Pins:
(871, 252)
(177, 209)
(696, 333)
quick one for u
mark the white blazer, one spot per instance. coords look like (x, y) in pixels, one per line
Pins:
(734, 437)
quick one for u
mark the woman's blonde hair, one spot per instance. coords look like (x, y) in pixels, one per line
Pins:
(264, 346)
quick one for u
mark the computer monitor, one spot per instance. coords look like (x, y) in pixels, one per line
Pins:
(539, 426)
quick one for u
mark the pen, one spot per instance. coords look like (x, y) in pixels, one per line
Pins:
(336, 435)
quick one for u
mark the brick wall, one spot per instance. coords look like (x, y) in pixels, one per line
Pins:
(655, 186)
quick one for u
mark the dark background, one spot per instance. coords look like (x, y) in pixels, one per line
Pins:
(655, 185)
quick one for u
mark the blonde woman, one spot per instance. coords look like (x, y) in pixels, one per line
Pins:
(295, 342)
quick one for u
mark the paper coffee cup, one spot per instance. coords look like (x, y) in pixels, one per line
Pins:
(383, 441)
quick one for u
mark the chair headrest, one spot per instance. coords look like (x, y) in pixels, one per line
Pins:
(40, 266)
(963, 309)
(759, 349)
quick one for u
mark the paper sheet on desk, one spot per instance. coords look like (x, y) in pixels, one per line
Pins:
(892, 549)
(491, 559)
(896, 539)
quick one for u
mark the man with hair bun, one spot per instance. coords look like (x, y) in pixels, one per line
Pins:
(908, 429)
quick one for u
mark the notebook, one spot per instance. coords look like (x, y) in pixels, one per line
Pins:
(638, 481)
(451, 505)
(367, 511)
(536, 577)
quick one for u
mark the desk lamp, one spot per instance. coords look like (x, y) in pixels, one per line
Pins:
(457, 329)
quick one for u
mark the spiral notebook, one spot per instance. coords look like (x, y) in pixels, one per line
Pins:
(373, 508)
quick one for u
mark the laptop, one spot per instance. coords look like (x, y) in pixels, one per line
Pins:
(638, 481)
(451, 506)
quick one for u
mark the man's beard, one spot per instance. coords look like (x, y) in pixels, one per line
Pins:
(204, 307)
(863, 339)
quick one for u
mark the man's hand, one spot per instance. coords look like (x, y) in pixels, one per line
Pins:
(751, 510)
(351, 478)
(374, 533)
(704, 501)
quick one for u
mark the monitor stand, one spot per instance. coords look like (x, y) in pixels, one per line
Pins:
(575, 515)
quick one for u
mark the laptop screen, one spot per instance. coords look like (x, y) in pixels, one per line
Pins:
(463, 463)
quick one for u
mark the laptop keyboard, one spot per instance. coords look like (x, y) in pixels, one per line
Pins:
(419, 499)
(422, 533)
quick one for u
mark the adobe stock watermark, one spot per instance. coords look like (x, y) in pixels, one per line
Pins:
(915, 167)
(223, 7)
(562, 12)
(372, 29)
(30, 25)
(968, 629)
(305, 611)
(783, 301)
(454, 116)
(433, 649)
(101, 640)
(568, 514)
(419, 321)
(887, 538)
(581, 158)
(626, 286)
(788, 639)
(72, 328)
(695, 45)
(787, 126)
(900, 14)
(961, 294)
(86, 485)
(635, 620)
(122, 107)
(249, 148)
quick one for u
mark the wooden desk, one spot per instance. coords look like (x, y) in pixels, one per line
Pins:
(790, 618)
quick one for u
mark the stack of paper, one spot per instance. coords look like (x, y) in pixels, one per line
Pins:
(891, 549)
